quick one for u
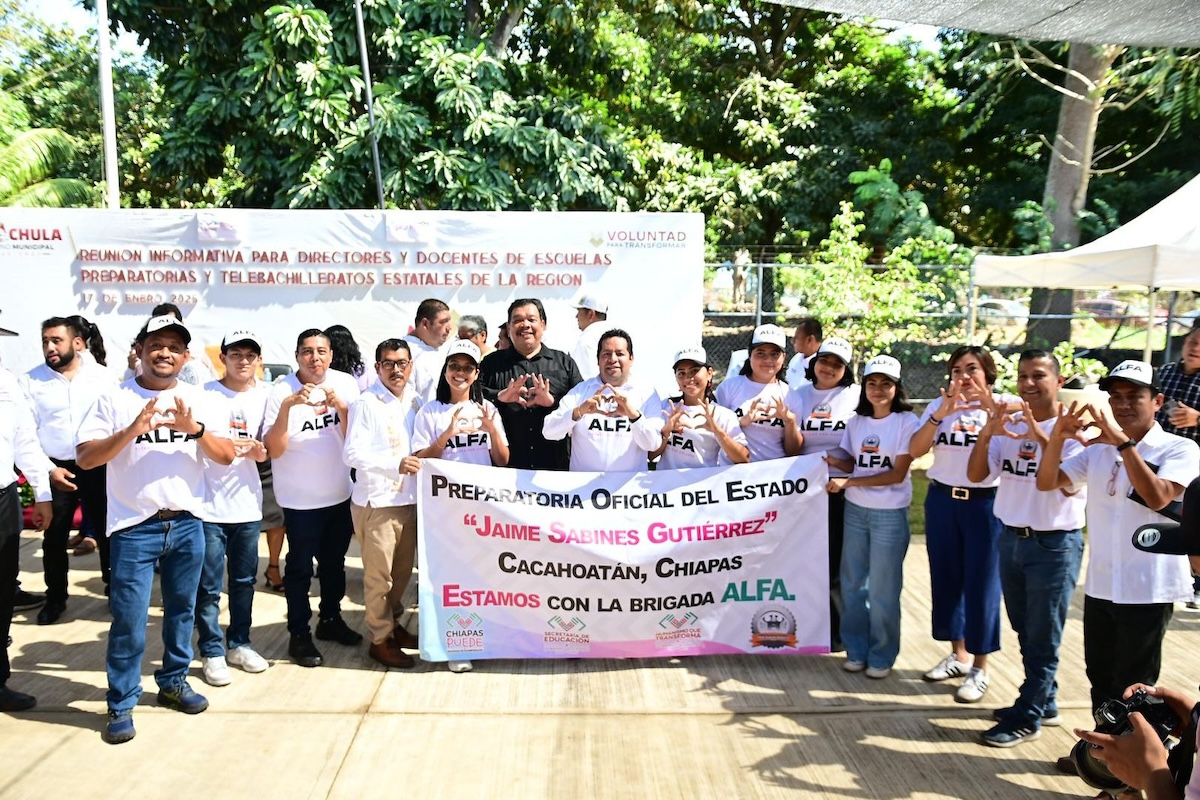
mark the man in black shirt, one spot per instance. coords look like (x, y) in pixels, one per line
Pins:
(526, 382)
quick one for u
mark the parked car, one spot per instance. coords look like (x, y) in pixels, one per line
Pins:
(1000, 311)
(1102, 309)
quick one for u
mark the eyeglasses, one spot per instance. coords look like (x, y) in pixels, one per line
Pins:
(466, 369)
(394, 366)
(1112, 478)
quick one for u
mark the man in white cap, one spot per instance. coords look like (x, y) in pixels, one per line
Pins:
(233, 514)
(383, 506)
(591, 315)
(1041, 546)
(1132, 472)
(612, 421)
(154, 433)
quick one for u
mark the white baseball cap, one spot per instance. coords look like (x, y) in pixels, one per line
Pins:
(592, 302)
(239, 335)
(162, 323)
(769, 334)
(694, 354)
(1138, 372)
(837, 347)
(464, 347)
(883, 365)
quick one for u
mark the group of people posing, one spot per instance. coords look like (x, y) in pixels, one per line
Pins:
(174, 474)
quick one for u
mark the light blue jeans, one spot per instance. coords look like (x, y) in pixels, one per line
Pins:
(876, 540)
(177, 545)
(237, 543)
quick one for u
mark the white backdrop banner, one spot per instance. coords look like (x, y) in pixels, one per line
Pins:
(281, 272)
(524, 564)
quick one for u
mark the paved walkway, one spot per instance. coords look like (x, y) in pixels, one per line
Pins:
(707, 727)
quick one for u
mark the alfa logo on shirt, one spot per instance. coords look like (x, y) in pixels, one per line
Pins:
(1028, 449)
(163, 436)
(681, 442)
(467, 440)
(323, 421)
(610, 424)
(963, 433)
(868, 455)
(870, 444)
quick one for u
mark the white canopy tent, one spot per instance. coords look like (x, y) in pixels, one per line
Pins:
(1158, 250)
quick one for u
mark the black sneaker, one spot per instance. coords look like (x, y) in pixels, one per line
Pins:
(181, 698)
(1050, 717)
(1006, 735)
(302, 650)
(335, 629)
(23, 600)
(12, 700)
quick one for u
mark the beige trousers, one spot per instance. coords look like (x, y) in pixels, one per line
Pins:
(388, 538)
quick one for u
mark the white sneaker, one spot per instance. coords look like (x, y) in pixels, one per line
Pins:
(247, 658)
(460, 666)
(973, 688)
(850, 665)
(948, 667)
(1194, 603)
(878, 673)
(216, 672)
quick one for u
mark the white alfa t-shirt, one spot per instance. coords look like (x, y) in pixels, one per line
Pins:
(233, 493)
(765, 437)
(1117, 571)
(162, 470)
(1018, 501)
(953, 440)
(470, 444)
(601, 443)
(696, 445)
(378, 437)
(874, 445)
(821, 416)
(310, 473)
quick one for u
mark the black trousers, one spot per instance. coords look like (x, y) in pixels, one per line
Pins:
(1122, 645)
(837, 524)
(92, 492)
(10, 556)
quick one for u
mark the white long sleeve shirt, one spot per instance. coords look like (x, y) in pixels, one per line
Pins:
(59, 403)
(600, 443)
(378, 436)
(18, 440)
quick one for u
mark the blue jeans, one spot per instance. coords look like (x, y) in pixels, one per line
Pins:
(964, 571)
(177, 545)
(237, 541)
(324, 534)
(1038, 574)
(873, 548)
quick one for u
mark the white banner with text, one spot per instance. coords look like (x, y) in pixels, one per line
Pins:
(531, 564)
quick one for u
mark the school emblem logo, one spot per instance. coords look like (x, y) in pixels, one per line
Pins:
(870, 444)
(773, 627)
(823, 411)
(1028, 450)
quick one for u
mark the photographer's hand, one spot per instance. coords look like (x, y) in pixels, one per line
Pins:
(1177, 701)
(1138, 759)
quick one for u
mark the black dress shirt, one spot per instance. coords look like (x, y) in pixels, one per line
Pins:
(528, 449)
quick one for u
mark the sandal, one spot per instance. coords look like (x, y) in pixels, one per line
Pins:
(274, 585)
(84, 548)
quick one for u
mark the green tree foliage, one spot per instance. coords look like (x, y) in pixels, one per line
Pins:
(29, 166)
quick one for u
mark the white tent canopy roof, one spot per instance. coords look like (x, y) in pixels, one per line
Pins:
(1150, 23)
(1159, 250)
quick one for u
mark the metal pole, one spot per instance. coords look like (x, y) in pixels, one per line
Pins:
(112, 187)
(366, 65)
(1148, 350)
(972, 290)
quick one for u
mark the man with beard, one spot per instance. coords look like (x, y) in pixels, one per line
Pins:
(305, 430)
(60, 392)
(154, 432)
(526, 382)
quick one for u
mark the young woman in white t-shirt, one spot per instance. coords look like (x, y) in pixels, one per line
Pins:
(459, 425)
(821, 408)
(758, 396)
(878, 492)
(698, 431)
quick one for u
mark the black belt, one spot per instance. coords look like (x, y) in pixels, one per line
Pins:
(964, 492)
(167, 513)
(1026, 532)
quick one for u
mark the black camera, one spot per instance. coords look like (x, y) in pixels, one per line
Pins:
(1113, 718)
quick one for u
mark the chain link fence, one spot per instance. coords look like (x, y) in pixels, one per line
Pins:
(736, 301)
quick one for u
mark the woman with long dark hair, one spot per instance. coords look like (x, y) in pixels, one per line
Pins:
(961, 532)
(822, 407)
(758, 396)
(878, 492)
(698, 432)
(346, 355)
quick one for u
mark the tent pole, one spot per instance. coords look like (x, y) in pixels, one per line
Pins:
(1148, 351)
(972, 291)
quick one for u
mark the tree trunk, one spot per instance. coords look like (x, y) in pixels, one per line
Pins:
(1067, 179)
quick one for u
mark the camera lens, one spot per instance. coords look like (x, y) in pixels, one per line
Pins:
(1093, 772)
